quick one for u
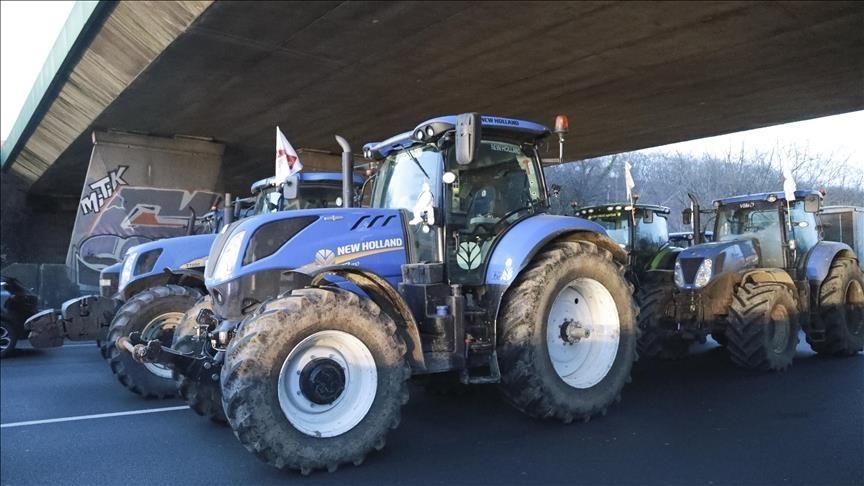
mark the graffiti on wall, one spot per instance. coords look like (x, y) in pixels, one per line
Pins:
(102, 190)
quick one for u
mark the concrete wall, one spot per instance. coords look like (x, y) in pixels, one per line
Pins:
(32, 228)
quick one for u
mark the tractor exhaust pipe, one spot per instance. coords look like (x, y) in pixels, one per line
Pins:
(347, 173)
(229, 210)
(697, 223)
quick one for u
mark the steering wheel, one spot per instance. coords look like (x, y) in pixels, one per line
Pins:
(510, 214)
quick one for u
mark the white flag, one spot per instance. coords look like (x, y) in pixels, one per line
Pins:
(628, 179)
(788, 182)
(287, 161)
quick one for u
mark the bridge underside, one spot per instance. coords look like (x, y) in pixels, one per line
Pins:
(629, 75)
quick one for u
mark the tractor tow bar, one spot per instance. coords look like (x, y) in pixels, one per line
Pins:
(196, 367)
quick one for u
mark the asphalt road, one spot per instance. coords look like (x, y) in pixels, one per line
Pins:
(695, 421)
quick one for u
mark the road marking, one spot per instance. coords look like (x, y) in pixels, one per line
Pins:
(90, 417)
(90, 345)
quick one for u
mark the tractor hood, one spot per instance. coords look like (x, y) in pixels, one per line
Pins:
(306, 239)
(697, 266)
(183, 252)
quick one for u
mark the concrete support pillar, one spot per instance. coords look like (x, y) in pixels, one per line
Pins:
(138, 188)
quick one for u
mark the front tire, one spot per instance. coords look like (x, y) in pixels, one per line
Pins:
(841, 310)
(154, 313)
(203, 397)
(655, 341)
(567, 334)
(315, 379)
(763, 327)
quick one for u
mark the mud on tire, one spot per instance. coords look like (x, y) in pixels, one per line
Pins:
(841, 310)
(654, 341)
(763, 327)
(153, 312)
(205, 397)
(271, 365)
(579, 284)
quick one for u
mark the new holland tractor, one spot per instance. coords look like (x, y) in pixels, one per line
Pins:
(319, 318)
(766, 276)
(160, 280)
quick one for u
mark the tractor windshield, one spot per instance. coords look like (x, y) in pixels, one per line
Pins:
(402, 175)
(758, 220)
(309, 196)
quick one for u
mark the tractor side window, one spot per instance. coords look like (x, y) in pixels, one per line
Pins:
(804, 228)
(402, 174)
(651, 236)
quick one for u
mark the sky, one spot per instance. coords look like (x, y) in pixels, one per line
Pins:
(29, 29)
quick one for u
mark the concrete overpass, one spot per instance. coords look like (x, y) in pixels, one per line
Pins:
(630, 75)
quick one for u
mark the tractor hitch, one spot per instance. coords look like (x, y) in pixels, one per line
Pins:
(200, 367)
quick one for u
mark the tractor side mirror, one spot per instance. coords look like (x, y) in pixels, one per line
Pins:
(687, 216)
(811, 204)
(289, 188)
(648, 217)
(467, 137)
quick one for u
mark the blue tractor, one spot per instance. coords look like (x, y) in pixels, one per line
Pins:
(320, 317)
(766, 275)
(151, 289)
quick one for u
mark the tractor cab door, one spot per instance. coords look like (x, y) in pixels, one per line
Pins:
(500, 187)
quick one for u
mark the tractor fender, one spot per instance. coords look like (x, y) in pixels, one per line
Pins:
(525, 239)
(820, 258)
(186, 277)
(769, 275)
(386, 297)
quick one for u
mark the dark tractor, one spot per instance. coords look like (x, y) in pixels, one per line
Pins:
(647, 242)
(320, 317)
(766, 275)
(17, 303)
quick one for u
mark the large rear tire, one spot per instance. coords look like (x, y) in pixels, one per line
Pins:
(315, 379)
(154, 313)
(655, 341)
(203, 397)
(841, 310)
(763, 327)
(567, 334)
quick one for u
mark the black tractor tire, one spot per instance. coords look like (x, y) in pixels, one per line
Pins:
(655, 342)
(8, 337)
(530, 380)
(274, 338)
(165, 303)
(763, 327)
(203, 397)
(841, 310)
(103, 348)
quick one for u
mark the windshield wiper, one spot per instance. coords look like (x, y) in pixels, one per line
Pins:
(418, 164)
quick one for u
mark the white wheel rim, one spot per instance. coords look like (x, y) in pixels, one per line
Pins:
(5, 340)
(585, 303)
(153, 330)
(352, 404)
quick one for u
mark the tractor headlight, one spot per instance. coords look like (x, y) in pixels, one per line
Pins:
(703, 275)
(126, 273)
(679, 274)
(227, 261)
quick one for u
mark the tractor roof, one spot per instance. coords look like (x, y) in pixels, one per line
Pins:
(521, 130)
(622, 206)
(764, 196)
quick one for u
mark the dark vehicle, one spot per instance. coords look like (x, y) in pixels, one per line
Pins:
(766, 275)
(320, 317)
(17, 303)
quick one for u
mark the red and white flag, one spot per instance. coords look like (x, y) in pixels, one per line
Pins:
(287, 161)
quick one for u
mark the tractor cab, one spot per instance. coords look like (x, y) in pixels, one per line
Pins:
(644, 240)
(460, 210)
(782, 231)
